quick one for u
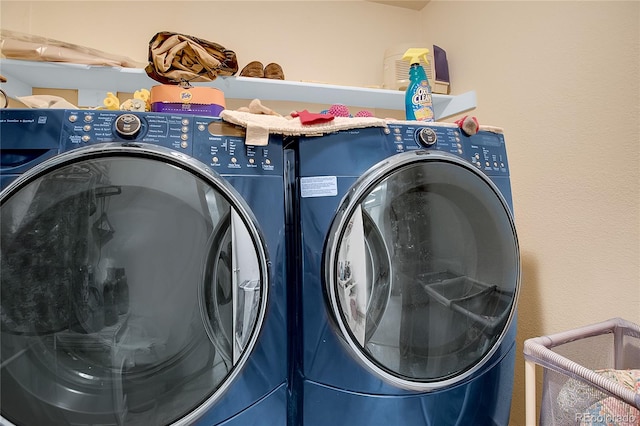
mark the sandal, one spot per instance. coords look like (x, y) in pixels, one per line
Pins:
(274, 71)
(253, 69)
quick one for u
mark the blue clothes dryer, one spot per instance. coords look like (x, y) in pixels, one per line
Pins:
(143, 271)
(406, 277)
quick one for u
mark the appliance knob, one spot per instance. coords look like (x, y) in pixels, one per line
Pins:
(128, 126)
(426, 137)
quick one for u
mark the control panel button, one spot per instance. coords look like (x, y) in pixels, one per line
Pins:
(128, 126)
(426, 137)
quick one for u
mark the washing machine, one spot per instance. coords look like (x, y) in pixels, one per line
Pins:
(406, 276)
(143, 271)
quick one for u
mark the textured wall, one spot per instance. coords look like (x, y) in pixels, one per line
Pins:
(562, 79)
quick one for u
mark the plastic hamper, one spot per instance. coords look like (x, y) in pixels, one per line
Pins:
(591, 376)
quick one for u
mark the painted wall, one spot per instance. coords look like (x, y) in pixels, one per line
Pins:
(339, 42)
(562, 79)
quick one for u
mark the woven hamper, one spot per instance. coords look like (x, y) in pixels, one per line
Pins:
(591, 376)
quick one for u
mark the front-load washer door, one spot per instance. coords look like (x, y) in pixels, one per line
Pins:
(422, 269)
(133, 288)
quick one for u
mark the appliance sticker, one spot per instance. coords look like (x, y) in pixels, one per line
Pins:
(318, 186)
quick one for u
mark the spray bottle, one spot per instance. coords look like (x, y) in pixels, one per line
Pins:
(418, 102)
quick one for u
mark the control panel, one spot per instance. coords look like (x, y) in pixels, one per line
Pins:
(218, 144)
(485, 150)
(27, 138)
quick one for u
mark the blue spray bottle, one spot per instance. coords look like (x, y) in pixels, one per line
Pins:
(418, 100)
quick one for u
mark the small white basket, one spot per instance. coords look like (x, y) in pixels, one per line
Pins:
(591, 376)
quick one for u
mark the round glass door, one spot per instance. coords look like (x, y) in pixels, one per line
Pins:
(422, 269)
(133, 287)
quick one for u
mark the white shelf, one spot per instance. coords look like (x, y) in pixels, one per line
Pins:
(93, 82)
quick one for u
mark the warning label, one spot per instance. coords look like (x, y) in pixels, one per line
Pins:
(318, 186)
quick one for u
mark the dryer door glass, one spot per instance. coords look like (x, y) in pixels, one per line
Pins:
(133, 288)
(423, 270)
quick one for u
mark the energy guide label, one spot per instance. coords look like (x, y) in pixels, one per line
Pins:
(318, 186)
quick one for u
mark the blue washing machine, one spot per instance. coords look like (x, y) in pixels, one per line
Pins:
(406, 277)
(143, 271)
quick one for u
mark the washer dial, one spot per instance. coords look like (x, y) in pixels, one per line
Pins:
(426, 137)
(128, 126)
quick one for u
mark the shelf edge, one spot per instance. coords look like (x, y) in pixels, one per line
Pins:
(23, 75)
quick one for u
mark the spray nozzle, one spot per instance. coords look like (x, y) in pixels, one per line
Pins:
(414, 54)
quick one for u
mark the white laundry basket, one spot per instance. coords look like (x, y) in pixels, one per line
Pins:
(591, 376)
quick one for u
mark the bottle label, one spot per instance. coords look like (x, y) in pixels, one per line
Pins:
(422, 103)
(422, 96)
(424, 114)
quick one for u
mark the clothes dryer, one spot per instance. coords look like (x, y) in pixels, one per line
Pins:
(406, 277)
(143, 271)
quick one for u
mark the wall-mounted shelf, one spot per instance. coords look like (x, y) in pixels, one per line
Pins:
(93, 82)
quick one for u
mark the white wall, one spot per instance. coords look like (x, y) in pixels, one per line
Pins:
(339, 42)
(563, 79)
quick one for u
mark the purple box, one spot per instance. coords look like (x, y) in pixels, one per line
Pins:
(212, 110)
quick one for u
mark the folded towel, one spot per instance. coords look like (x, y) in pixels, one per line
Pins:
(46, 101)
(259, 126)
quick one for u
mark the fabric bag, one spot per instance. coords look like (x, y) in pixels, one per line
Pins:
(179, 58)
(30, 47)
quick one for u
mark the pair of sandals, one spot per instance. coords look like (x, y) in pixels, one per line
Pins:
(256, 69)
